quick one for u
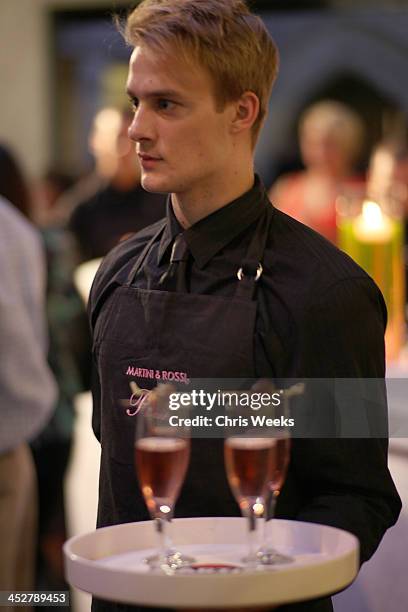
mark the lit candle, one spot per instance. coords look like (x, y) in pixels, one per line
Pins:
(373, 225)
(375, 241)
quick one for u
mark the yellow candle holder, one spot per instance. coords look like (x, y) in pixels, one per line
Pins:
(371, 231)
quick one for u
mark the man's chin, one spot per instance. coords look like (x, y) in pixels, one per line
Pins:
(153, 184)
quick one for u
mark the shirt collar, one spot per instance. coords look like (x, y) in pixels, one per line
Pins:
(211, 234)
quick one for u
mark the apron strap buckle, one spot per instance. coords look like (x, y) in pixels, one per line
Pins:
(256, 274)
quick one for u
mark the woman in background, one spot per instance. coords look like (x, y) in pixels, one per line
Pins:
(330, 138)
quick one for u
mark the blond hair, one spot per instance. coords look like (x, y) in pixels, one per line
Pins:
(338, 120)
(222, 36)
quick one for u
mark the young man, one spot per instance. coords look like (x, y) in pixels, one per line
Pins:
(170, 301)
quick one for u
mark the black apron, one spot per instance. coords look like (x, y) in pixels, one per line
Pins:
(152, 336)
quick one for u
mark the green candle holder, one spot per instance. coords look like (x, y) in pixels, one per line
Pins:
(371, 231)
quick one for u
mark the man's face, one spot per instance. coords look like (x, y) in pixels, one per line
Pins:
(183, 142)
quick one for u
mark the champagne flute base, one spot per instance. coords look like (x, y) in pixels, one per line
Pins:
(172, 560)
(270, 556)
(251, 561)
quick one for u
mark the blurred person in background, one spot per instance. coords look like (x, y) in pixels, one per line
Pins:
(400, 174)
(101, 143)
(120, 207)
(330, 138)
(68, 358)
(387, 182)
(388, 172)
(27, 387)
(48, 191)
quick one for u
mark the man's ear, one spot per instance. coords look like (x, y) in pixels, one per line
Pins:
(246, 112)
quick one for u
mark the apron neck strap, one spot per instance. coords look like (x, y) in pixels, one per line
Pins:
(140, 260)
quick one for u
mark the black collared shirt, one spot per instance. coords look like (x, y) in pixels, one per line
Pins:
(319, 316)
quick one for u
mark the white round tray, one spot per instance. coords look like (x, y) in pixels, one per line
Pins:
(109, 563)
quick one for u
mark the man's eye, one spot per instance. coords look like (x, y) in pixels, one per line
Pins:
(165, 104)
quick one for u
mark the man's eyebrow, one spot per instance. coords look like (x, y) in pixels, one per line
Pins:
(162, 93)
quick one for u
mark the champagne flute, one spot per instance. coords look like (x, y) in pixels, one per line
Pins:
(249, 467)
(162, 455)
(267, 554)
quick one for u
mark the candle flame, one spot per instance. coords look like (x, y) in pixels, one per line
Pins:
(373, 225)
(372, 215)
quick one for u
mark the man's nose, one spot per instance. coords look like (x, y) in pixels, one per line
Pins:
(141, 126)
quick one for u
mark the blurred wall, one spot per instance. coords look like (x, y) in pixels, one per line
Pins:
(25, 52)
(316, 47)
(27, 101)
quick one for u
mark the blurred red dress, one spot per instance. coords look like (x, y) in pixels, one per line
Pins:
(312, 200)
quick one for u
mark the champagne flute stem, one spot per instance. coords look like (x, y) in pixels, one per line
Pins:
(251, 537)
(164, 542)
(270, 513)
(253, 521)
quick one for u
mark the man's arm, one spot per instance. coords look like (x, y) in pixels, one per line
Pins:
(347, 485)
(346, 481)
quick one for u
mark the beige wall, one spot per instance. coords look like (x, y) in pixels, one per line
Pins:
(24, 77)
